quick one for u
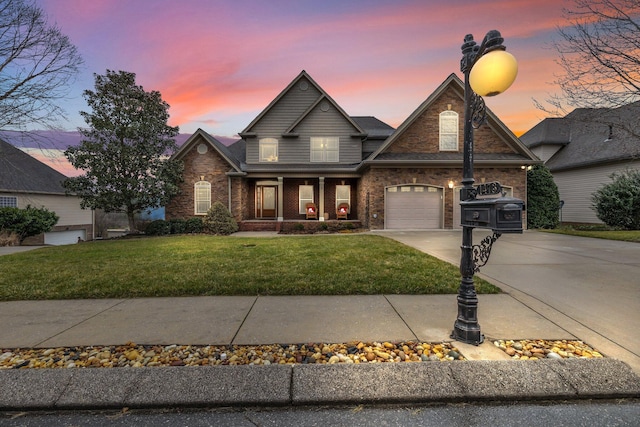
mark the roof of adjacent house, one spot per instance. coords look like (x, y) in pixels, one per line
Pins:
(21, 173)
(589, 136)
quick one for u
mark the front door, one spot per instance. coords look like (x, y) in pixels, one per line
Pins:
(266, 201)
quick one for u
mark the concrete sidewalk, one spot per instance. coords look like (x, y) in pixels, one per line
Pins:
(487, 376)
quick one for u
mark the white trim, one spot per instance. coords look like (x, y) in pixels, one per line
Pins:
(201, 195)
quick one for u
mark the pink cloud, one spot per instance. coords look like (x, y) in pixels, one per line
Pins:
(219, 63)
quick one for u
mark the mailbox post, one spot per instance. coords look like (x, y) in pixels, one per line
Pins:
(488, 70)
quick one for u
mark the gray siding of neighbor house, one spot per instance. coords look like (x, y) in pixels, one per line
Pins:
(577, 185)
(296, 150)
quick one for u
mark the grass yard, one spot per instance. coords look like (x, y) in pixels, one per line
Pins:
(213, 265)
(624, 235)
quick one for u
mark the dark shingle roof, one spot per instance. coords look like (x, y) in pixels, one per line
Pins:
(19, 172)
(374, 127)
(591, 136)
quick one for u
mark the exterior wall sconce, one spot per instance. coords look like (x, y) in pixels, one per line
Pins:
(450, 184)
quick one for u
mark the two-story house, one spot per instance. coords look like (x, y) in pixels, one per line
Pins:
(304, 148)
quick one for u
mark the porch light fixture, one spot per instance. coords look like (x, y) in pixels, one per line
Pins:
(450, 184)
(488, 70)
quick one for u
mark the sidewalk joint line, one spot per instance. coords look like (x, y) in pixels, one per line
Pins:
(81, 322)
(244, 320)
(401, 318)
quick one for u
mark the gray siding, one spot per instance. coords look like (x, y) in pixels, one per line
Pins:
(576, 187)
(282, 115)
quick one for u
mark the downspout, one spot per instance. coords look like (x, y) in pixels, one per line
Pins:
(229, 194)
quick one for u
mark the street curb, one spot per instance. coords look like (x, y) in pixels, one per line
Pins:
(285, 385)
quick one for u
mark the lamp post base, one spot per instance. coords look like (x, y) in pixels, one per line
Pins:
(468, 334)
(466, 328)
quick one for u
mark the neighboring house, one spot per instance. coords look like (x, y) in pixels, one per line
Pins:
(27, 181)
(583, 149)
(304, 148)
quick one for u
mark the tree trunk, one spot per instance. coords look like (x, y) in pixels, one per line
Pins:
(132, 223)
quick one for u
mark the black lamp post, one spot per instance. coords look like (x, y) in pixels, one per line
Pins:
(488, 70)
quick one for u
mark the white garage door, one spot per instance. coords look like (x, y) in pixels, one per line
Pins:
(64, 237)
(413, 207)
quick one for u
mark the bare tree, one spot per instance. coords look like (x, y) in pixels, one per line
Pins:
(37, 65)
(599, 53)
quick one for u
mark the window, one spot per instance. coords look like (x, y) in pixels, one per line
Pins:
(8, 202)
(343, 195)
(202, 192)
(324, 149)
(305, 195)
(449, 131)
(268, 150)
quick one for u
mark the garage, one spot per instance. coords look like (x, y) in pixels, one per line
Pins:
(416, 207)
(65, 237)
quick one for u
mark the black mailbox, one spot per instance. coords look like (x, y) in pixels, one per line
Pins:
(501, 214)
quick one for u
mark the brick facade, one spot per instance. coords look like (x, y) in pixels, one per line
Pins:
(210, 167)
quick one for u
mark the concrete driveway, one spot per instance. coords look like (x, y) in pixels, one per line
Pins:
(589, 287)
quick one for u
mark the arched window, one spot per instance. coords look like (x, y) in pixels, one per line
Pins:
(448, 131)
(202, 197)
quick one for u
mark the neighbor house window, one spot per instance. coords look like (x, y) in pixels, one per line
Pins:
(8, 202)
(324, 149)
(343, 195)
(202, 192)
(268, 150)
(305, 195)
(449, 131)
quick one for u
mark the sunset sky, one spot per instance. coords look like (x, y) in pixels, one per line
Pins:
(219, 63)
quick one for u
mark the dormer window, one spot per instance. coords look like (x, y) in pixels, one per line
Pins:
(268, 150)
(448, 131)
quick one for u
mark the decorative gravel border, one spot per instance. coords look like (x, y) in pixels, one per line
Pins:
(549, 349)
(133, 355)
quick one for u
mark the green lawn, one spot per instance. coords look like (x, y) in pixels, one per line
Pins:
(624, 235)
(214, 265)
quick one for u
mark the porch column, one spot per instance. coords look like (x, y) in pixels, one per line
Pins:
(321, 201)
(280, 199)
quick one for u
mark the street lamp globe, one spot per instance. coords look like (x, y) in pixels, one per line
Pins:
(493, 73)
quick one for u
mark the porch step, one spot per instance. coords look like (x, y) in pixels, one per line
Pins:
(259, 226)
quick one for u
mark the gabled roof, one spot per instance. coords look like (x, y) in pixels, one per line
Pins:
(222, 149)
(21, 173)
(522, 153)
(552, 131)
(323, 96)
(590, 136)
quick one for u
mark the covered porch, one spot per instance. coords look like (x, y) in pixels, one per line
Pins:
(285, 199)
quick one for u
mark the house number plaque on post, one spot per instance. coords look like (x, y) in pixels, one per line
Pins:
(489, 189)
